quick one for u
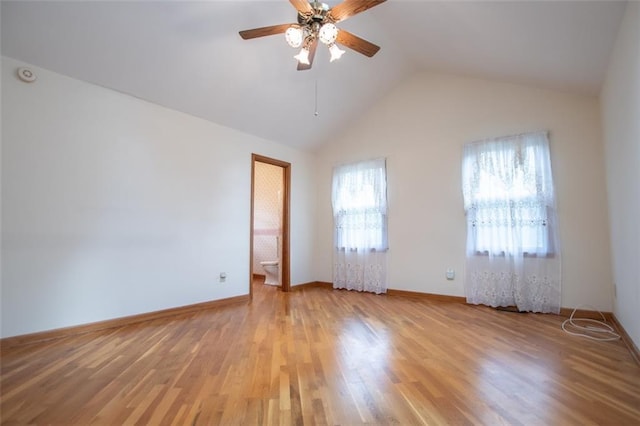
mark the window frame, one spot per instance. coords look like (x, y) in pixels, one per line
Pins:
(373, 210)
(545, 249)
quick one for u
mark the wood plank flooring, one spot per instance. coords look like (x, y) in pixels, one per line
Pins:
(317, 356)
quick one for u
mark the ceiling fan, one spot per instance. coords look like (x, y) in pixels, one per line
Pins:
(316, 22)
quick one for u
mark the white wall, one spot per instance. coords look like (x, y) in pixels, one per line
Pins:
(113, 206)
(421, 126)
(621, 122)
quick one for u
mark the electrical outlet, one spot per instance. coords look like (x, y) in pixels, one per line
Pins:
(451, 274)
(223, 277)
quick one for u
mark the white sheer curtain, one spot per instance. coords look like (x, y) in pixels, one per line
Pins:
(513, 252)
(359, 199)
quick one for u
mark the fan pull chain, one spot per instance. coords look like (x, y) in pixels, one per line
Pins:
(316, 104)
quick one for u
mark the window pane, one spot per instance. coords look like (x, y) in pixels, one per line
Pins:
(359, 204)
(507, 191)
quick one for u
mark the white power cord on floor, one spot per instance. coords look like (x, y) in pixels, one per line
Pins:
(603, 332)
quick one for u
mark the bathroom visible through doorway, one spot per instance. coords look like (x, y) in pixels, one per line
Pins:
(270, 195)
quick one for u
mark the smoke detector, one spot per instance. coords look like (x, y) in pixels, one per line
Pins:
(26, 75)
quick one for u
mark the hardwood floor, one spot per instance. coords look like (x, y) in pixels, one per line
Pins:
(316, 356)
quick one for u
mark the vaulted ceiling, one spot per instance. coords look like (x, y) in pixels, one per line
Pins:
(188, 55)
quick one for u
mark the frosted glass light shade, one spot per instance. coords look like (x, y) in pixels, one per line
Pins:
(328, 33)
(294, 36)
(336, 52)
(303, 56)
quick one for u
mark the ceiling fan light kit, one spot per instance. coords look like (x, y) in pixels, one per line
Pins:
(316, 22)
(336, 52)
(294, 36)
(328, 33)
(303, 56)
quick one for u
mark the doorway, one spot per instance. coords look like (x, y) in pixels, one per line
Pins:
(270, 218)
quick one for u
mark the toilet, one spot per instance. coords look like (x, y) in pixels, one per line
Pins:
(271, 272)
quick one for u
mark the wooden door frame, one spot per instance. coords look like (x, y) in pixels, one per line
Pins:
(285, 280)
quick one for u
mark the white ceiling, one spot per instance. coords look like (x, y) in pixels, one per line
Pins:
(188, 55)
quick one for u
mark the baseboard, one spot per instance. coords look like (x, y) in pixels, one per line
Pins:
(427, 296)
(58, 333)
(312, 284)
(585, 313)
(390, 292)
(635, 353)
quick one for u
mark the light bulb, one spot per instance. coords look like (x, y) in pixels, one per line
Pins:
(328, 33)
(303, 56)
(336, 52)
(293, 35)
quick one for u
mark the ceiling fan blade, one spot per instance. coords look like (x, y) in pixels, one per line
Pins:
(264, 31)
(312, 53)
(348, 8)
(301, 6)
(356, 43)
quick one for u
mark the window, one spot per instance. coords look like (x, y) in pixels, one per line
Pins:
(359, 199)
(508, 196)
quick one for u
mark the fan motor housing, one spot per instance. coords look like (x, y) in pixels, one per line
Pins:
(320, 12)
